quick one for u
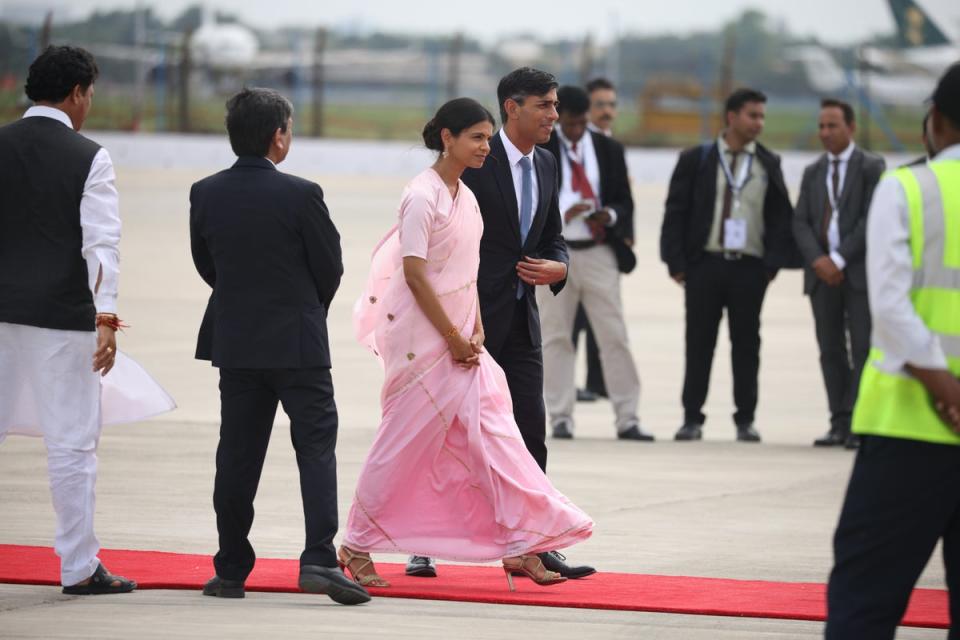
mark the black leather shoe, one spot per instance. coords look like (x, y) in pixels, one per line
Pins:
(585, 395)
(421, 567)
(746, 433)
(331, 582)
(830, 439)
(689, 431)
(563, 430)
(554, 561)
(223, 588)
(852, 442)
(634, 432)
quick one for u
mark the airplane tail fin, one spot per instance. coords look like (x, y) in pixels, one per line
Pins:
(914, 26)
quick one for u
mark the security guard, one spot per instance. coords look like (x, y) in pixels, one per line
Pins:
(904, 492)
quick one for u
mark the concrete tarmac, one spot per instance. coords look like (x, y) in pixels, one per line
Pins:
(714, 508)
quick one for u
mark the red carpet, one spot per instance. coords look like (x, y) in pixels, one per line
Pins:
(626, 591)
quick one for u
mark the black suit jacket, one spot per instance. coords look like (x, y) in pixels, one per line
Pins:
(500, 249)
(863, 173)
(264, 241)
(690, 205)
(614, 191)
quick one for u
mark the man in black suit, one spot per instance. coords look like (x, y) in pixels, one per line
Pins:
(264, 242)
(521, 247)
(726, 232)
(597, 207)
(830, 226)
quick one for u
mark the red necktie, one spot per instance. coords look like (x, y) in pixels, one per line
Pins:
(581, 184)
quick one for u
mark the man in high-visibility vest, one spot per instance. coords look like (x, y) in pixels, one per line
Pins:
(904, 492)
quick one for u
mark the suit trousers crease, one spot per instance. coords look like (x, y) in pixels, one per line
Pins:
(842, 320)
(522, 364)
(902, 498)
(714, 285)
(249, 400)
(594, 282)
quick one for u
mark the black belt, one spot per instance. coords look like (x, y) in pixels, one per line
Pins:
(731, 255)
(581, 244)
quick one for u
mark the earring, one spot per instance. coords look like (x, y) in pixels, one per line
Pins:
(445, 153)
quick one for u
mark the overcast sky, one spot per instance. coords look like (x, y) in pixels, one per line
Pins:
(834, 21)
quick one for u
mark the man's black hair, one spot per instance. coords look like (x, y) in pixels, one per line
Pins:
(253, 116)
(573, 100)
(743, 96)
(56, 71)
(521, 83)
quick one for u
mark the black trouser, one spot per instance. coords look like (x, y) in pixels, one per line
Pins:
(522, 362)
(903, 497)
(248, 404)
(595, 381)
(841, 315)
(712, 285)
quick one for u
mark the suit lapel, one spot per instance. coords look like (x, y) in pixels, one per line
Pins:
(504, 178)
(853, 170)
(545, 182)
(820, 197)
(600, 150)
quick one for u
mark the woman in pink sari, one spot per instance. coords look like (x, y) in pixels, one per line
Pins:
(448, 474)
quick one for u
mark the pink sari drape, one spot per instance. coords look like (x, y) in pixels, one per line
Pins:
(448, 474)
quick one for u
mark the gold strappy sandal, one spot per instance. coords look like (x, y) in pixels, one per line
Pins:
(346, 558)
(532, 567)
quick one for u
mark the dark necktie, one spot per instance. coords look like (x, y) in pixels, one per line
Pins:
(728, 195)
(828, 209)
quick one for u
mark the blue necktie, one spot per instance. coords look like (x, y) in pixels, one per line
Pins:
(526, 207)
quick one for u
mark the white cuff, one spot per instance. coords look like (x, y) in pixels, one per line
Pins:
(838, 260)
(613, 215)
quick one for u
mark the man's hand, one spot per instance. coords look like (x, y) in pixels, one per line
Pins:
(106, 353)
(536, 271)
(680, 278)
(576, 210)
(944, 390)
(827, 271)
(601, 216)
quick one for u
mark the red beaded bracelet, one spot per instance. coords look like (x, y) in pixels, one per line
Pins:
(111, 320)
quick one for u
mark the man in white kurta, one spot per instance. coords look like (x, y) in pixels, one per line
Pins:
(59, 237)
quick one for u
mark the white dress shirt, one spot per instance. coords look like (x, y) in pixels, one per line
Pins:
(897, 329)
(833, 230)
(586, 155)
(513, 157)
(99, 220)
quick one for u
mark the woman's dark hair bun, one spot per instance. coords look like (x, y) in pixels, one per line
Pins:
(431, 135)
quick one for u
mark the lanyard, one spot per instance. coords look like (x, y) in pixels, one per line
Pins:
(743, 174)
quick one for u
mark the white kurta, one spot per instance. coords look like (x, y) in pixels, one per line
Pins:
(48, 386)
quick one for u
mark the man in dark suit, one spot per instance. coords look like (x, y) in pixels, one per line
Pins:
(726, 232)
(521, 247)
(597, 207)
(264, 242)
(829, 225)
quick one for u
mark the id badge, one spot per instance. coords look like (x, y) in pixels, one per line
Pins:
(735, 234)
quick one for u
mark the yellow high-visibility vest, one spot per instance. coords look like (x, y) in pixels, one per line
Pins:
(898, 405)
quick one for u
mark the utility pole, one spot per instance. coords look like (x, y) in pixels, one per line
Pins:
(186, 69)
(319, 46)
(453, 71)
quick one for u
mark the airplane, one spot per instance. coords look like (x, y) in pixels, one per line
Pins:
(902, 76)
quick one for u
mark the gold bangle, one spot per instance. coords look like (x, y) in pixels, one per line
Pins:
(452, 332)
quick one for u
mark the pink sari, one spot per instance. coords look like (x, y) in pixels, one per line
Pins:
(448, 475)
